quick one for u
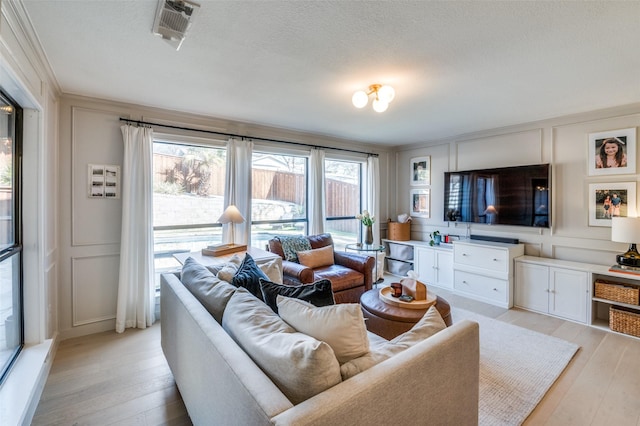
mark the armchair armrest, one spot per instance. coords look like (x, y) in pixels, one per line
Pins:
(297, 271)
(358, 262)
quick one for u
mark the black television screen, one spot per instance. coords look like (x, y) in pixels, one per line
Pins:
(517, 196)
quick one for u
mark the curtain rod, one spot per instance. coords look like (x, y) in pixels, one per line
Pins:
(146, 123)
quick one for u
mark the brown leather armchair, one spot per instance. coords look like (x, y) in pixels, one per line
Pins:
(350, 275)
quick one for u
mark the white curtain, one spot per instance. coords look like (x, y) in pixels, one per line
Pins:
(238, 188)
(136, 286)
(373, 205)
(316, 206)
(372, 196)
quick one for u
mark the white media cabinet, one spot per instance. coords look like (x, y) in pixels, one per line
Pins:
(502, 275)
(479, 270)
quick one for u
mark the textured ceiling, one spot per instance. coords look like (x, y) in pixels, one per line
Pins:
(457, 67)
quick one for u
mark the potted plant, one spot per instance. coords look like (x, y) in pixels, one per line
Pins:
(436, 238)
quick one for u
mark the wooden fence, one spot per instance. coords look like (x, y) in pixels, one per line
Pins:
(342, 198)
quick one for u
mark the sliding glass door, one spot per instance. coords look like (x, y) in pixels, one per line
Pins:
(11, 313)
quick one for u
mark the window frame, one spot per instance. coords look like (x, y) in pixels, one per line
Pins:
(16, 247)
(265, 149)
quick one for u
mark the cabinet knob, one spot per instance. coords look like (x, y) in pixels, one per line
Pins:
(495, 289)
(495, 260)
(464, 282)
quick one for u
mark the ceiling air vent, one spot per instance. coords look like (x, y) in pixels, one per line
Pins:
(173, 19)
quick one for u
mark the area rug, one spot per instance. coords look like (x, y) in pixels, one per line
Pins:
(517, 368)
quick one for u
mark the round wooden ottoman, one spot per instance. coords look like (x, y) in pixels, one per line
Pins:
(389, 321)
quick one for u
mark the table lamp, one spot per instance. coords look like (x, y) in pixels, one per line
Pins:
(233, 216)
(627, 230)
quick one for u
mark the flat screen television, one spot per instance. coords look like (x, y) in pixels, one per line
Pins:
(516, 196)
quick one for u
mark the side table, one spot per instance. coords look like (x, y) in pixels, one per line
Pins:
(259, 256)
(389, 321)
(375, 248)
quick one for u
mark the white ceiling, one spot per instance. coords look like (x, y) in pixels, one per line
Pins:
(457, 67)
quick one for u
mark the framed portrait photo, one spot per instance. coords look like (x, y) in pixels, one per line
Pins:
(420, 202)
(421, 171)
(612, 152)
(607, 200)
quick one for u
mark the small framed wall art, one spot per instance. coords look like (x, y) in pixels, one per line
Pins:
(607, 200)
(104, 181)
(420, 201)
(421, 171)
(612, 152)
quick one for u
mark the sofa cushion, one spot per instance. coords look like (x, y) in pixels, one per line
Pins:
(316, 258)
(293, 244)
(341, 278)
(380, 349)
(248, 276)
(341, 326)
(299, 365)
(212, 292)
(318, 293)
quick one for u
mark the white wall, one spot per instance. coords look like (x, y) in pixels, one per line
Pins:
(562, 142)
(89, 243)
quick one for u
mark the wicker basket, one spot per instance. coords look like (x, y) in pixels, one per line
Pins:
(617, 292)
(624, 321)
(399, 231)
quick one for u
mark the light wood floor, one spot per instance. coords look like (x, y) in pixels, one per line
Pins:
(123, 379)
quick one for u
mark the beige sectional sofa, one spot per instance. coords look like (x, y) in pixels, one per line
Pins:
(434, 382)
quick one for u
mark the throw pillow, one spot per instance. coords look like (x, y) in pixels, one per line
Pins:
(293, 244)
(317, 257)
(229, 269)
(429, 324)
(319, 293)
(299, 365)
(208, 289)
(272, 270)
(248, 276)
(341, 326)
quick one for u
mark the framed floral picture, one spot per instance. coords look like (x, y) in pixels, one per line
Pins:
(612, 152)
(421, 171)
(420, 202)
(607, 200)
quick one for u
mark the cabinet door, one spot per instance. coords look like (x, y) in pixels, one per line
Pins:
(424, 264)
(444, 269)
(568, 291)
(532, 287)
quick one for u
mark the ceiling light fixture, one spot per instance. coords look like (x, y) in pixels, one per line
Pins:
(384, 94)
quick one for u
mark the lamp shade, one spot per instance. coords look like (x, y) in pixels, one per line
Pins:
(491, 209)
(625, 229)
(231, 215)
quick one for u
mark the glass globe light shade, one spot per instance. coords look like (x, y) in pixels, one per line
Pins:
(360, 99)
(380, 106)
(386, 93)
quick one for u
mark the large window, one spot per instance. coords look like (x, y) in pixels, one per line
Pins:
(11, 312)
(343, 180)
(279, 197)
(188, 199)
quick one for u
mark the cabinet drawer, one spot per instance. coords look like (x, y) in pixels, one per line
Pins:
(489, 258)
(485, 287)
